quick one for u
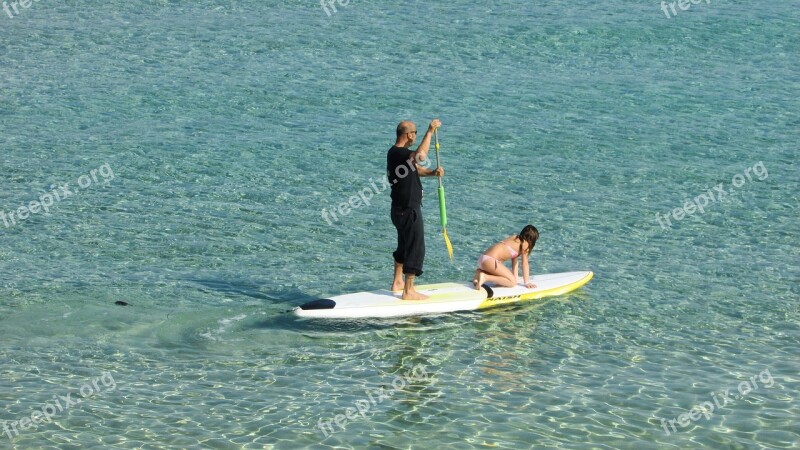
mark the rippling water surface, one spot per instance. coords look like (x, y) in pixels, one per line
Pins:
(201, 141)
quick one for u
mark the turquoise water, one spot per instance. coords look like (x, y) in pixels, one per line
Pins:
(201, 142)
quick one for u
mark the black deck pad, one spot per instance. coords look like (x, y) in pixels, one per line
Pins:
(322, 303)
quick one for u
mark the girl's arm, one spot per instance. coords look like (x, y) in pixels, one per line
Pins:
(515, 267)
(526, 272)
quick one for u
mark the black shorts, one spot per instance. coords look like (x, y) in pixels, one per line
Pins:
(410, 238)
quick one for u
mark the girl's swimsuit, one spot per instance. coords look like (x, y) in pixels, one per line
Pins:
(514, 253)
(485, 257)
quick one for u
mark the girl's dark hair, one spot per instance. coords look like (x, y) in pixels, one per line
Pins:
(528, 234)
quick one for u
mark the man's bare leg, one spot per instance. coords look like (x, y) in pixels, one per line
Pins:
(397, 284)
(409, 292)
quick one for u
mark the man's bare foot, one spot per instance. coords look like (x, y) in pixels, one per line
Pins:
(397, 286)
(475, 279)
(414, 295)
(480, 280)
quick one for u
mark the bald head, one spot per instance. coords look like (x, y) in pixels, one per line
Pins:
(404, 128)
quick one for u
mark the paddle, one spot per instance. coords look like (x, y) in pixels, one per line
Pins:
(442, 207)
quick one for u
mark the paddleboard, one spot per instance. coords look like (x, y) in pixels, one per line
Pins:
(444, 298)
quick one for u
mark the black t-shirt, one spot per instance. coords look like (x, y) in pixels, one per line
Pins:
(403, 176)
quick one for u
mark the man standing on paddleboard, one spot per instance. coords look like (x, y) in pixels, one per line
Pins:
(404, 171)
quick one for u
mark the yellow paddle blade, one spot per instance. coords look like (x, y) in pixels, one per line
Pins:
(448, 244)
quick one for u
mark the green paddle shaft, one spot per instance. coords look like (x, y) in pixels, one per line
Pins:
(442, 207)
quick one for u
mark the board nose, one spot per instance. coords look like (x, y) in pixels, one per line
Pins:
(323, 303)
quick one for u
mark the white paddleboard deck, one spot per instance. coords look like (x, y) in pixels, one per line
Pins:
(444, 297)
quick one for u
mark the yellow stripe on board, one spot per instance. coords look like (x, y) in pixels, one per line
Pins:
(490, 302)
